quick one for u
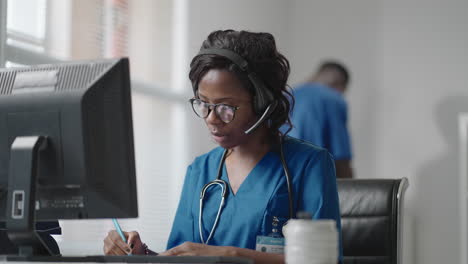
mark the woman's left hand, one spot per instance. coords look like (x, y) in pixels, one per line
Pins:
(196, 249)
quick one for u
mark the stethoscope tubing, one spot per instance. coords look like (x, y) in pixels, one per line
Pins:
(288, 181)
(224, 191)
(221, 204)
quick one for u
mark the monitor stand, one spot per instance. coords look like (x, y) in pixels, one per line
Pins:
(21, 201)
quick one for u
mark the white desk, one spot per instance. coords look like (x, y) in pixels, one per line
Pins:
(130, 259)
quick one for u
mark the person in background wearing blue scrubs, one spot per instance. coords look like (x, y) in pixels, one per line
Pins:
(230, 74)
(320, 114)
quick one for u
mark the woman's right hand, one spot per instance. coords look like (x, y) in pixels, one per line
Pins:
(114, 245)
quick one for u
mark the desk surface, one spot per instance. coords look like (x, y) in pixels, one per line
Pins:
(128, 259)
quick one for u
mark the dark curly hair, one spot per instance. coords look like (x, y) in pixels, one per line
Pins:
(259, 50)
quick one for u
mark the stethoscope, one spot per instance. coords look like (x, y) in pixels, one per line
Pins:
(224, 187)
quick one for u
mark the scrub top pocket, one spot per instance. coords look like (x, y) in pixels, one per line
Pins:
(277, 211)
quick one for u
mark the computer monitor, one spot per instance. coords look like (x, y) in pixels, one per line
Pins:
(66, 146)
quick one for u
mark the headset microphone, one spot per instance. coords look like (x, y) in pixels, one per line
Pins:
(270, 108)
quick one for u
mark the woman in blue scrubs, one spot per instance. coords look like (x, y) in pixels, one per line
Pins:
(240, 90)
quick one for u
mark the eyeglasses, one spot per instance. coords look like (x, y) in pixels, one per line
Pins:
(222, 111)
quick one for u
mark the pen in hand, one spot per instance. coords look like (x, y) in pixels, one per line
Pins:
(119, 230)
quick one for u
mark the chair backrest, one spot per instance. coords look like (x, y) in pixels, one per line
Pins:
(371, 213)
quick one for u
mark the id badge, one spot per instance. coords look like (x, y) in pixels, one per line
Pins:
(270, 244)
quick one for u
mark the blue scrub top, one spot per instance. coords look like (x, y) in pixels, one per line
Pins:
(320, 116)
(263, 195)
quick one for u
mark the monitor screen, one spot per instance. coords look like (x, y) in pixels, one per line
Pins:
(66, 138)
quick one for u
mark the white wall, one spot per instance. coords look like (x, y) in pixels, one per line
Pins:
(150, 49)
(149, 42)
(423, 84)
(408, 61)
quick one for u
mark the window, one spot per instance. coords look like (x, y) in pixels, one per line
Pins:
(25, 35)
(26, 24)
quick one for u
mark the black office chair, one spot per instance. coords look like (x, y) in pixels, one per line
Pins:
(371, 219)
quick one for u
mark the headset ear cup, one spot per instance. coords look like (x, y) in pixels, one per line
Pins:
(266, 114)
(263, 96)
